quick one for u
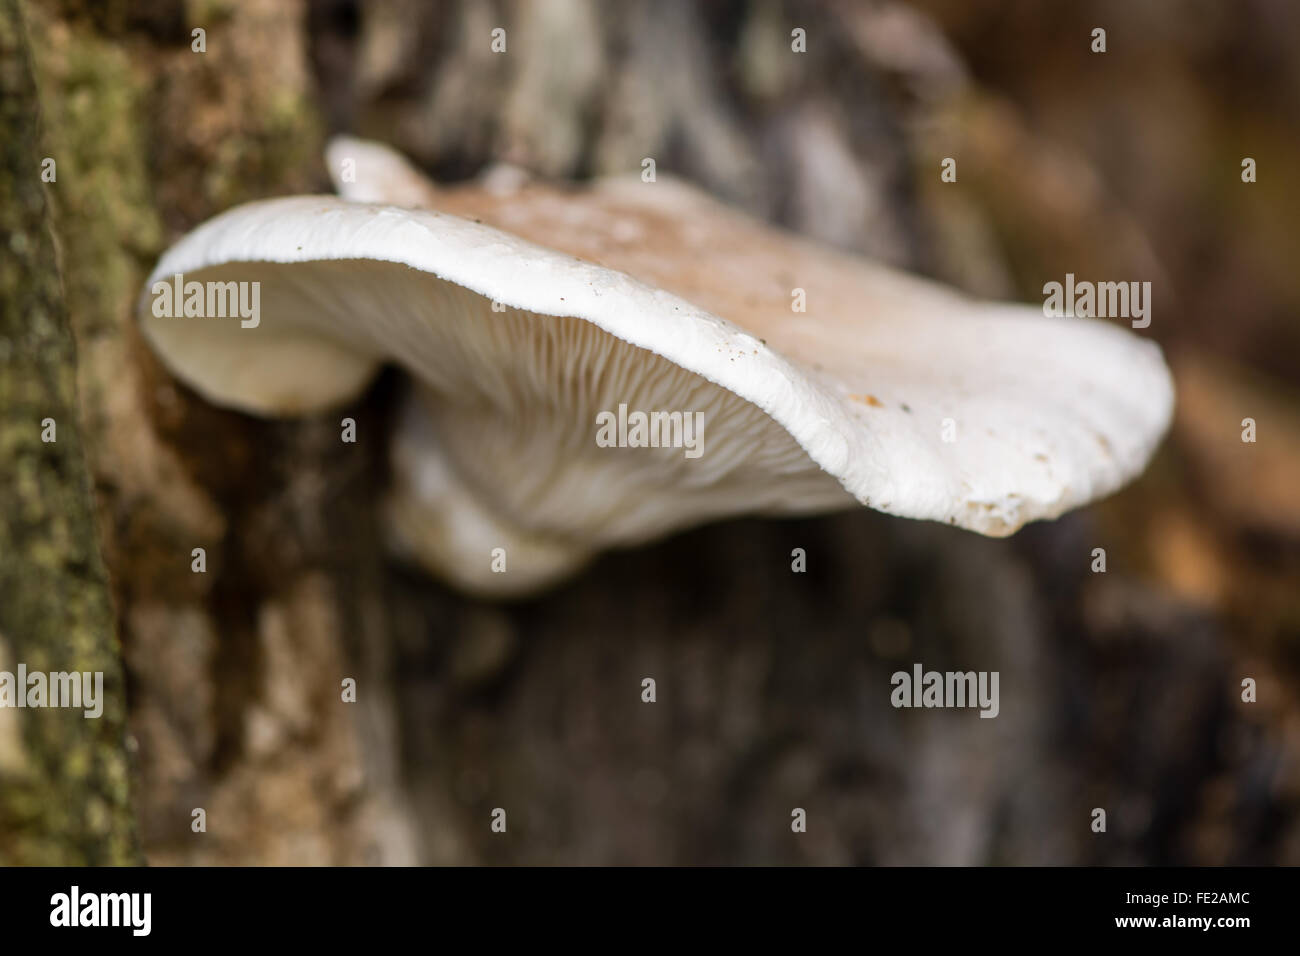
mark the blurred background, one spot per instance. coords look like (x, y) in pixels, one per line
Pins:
(1120, 691)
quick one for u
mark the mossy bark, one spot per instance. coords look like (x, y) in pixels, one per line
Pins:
(63, 776)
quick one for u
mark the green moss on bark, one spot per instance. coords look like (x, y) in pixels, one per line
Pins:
(63, 780)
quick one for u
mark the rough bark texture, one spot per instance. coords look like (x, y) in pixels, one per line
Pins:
(63, 777)
(1119, 691)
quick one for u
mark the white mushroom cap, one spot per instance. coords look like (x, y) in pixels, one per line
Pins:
(673, 303)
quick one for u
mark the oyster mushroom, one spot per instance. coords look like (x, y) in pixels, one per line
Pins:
(528, 314)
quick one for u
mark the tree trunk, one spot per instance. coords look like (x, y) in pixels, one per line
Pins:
(772, 687)
(64, 796)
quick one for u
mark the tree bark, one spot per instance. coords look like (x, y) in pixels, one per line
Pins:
(773, 687)
(64, 795)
